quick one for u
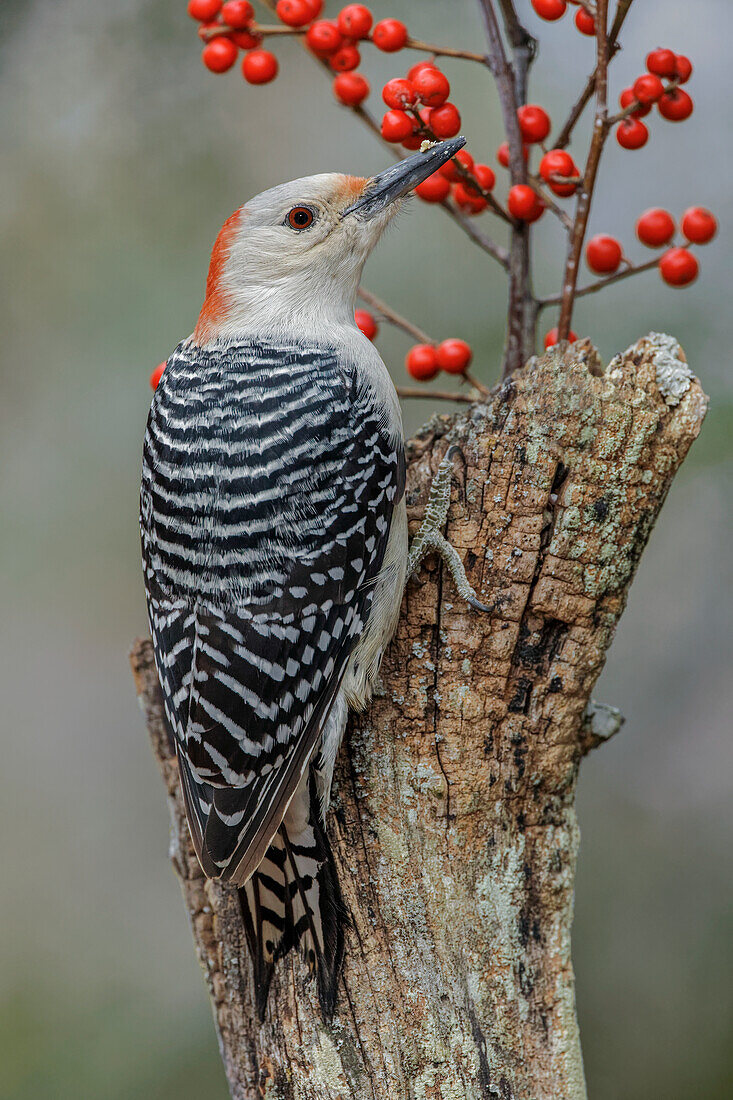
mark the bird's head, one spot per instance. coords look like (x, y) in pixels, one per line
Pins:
(291, 258)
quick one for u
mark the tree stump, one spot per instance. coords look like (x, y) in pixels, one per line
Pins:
(453, 820)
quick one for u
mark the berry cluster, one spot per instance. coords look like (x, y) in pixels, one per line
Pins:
(673, 102)
(424, 361)
(419, 109)
(656, 228)
(229, 26)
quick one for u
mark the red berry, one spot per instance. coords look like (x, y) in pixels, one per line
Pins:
(294, 13)
(203, 10)
(323, 38)
(661, 62)
(413, 142)
(418, 68)
(585, 22)
(259, 67)
(468, 198)
(389, 35)
(678, 267)
(549, 9)
(534, 123)
(631, 133)
(603, 254)
(396, 126)
(450, 170)
(237, 14)
(699, 225)
(552, 335)
(655, 227)
(316, 7)
(485, 180)
(445, 121)
(219, 54)
(627, 97)
(485, 176)
(432, 87)
(246, 40)
(366, 323)
(155, 376)
(351, 88)
(648, 88)
(676, 105)
(345, 59)
(559, 163)
(454, 356)
(422, 362)
(502, 154)
(556, 162)
(435, 188)
(355, 21)
(398, 93)
(524, 204)
(682, 68)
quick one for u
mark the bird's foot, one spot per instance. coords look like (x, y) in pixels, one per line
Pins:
(429, 538)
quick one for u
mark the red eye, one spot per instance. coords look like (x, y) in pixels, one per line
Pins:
(300, 217)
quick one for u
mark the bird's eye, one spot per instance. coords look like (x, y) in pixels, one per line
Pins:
(300, 217)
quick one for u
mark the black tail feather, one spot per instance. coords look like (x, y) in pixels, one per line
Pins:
(294, 900)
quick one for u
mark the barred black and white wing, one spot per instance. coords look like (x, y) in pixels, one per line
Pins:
(269, 482)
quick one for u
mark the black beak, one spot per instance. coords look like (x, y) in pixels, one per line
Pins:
(400, 178)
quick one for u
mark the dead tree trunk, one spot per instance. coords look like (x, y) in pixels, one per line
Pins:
(453, 821)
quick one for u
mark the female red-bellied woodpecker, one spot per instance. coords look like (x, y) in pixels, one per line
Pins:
(274, 540)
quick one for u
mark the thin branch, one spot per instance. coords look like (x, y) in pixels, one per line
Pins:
(524, 48)
(536, 184)
(393, 317)
(445, 51)
(435, 395)
(592, 288)
(509, 82)
(600, 133)
(563, 139)
(499, 254)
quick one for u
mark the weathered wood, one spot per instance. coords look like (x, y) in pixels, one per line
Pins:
(453, 820)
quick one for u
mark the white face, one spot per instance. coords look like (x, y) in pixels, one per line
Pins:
(290, 253)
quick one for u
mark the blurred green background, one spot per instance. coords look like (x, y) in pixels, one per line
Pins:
(122, 156)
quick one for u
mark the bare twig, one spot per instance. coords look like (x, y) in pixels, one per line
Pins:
(509, 82)
(592, 288)
(435, 395)
(563, 139)
(600, 133)
(445, 51)
(536, 184)
(393, 317)
(524, 48)
(467, 225)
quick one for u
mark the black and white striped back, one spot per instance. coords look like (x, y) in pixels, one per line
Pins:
(269, 483)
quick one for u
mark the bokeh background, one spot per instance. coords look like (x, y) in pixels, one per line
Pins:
(121, 158)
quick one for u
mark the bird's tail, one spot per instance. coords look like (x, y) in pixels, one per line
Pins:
(293, 899)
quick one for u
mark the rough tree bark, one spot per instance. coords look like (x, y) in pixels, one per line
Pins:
(453, 821)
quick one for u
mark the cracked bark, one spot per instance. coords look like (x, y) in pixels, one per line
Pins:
(453, 821)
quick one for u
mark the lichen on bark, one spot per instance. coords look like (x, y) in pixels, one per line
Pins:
(453, 820)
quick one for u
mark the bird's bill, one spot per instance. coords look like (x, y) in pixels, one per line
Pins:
(400, 178)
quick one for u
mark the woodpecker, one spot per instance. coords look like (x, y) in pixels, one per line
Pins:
(274, 545)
